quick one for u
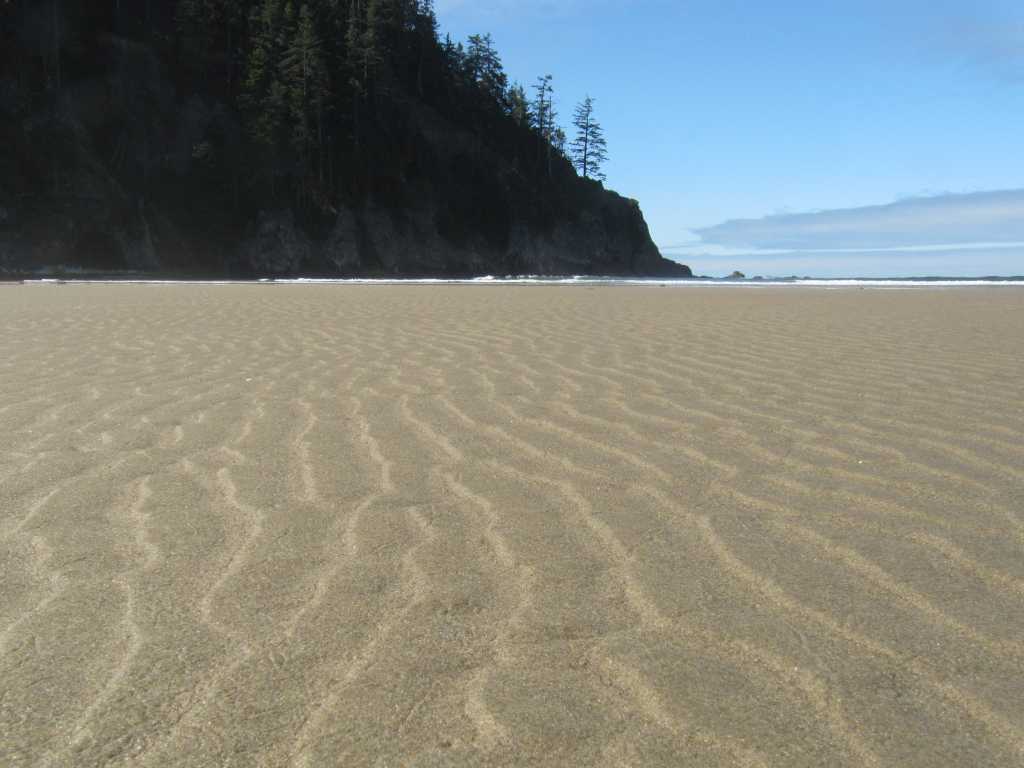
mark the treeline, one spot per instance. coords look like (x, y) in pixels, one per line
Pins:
(325, 87)
(205, 118)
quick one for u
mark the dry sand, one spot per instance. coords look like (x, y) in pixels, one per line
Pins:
(473, 525)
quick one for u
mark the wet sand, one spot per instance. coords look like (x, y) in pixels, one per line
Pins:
(482, 525)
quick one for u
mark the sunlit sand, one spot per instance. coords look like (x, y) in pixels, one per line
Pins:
(493, 525)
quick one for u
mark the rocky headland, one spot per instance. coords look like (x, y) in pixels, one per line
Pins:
(129, 143)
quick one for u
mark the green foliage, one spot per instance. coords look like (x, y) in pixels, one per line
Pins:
(305, 77)
(324, 90)
(371, 44)
(227, 109)
(264, 98)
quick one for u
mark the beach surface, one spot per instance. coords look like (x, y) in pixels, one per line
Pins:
(286, 525)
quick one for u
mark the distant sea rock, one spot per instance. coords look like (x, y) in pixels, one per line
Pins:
(737, 275)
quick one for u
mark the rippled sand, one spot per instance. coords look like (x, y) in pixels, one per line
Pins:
(466, 525)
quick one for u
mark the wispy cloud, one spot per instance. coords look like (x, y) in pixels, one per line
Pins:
(951, 219)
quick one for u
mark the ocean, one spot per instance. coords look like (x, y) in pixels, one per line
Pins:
(846, 282)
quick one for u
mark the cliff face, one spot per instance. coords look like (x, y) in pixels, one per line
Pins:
(76, 214)
(131, 161)
(470, 213)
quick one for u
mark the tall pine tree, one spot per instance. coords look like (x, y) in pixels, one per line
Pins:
(588, 149)
(543, 107)
(263, 93)
(483, 67)
(544, 116)
(305, 75)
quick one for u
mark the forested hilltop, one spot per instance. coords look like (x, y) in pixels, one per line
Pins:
(274, 137)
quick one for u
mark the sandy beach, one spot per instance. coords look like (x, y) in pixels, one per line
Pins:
(271, 525)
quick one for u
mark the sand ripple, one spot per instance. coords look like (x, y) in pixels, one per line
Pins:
(384, 525)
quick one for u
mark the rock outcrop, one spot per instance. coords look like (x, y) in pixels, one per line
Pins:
(89, 221)
(123, 167)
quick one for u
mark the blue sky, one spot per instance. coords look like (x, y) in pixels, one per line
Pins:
(719, 110)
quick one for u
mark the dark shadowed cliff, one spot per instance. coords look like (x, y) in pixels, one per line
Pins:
(267, 137)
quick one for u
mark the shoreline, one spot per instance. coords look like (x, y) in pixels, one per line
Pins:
(896, 282)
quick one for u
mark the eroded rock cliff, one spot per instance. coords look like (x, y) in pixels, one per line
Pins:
(118, 154)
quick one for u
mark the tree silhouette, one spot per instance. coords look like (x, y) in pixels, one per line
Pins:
(306, 79)
(544, 116)
(588, 149)
(483, 67)
(543, 107)
(264, 98)
(519, 105)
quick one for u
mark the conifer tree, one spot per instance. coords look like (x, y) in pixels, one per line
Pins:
(558, 140)
(588, 148)
(519, 105)
(264, 97)
(313, 68)
(544, 116)
(354, 36)
(483, 67)
(353, 60)
(209, 24)
(450, 54)
(426, 18)
(426, 39)
(543, 107)
(372, 48)
(305, 75)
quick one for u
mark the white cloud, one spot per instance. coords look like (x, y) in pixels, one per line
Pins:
(974, 260)
(976, 218)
